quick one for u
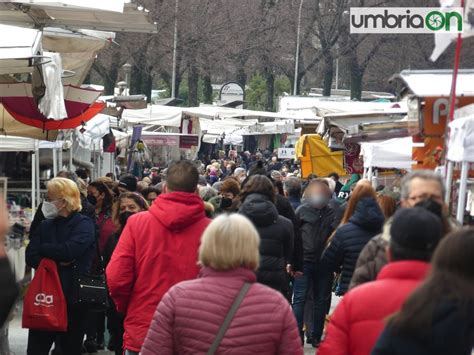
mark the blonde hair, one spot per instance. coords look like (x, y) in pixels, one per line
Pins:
(67, 190)
(230, 242)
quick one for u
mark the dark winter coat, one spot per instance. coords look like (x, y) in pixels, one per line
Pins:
(315, 227)
(9, 289)
(285, 209)
(452, 332)
(276, 240)
(65, 240)
(349, 240)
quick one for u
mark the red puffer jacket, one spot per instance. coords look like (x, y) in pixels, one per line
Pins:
(156, 250)
(191, 313)
(360, 317)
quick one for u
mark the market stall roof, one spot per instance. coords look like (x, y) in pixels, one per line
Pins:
(171, 116)
(425, 83)
(390, 154)
(116, 16)
(20, 144)
(18, 48)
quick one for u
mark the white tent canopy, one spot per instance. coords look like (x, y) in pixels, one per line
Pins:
(17, 48)
(461, 140)
(391, 154)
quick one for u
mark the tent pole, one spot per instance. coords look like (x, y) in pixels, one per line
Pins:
(449, 182)
(60, 159)
(55, 162)
(462, 192)
(33, 182)
(38, 182)
(71, 168)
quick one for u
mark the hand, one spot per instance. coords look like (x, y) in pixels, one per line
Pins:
(298, 274)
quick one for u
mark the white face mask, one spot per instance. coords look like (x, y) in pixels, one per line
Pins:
(49, 210)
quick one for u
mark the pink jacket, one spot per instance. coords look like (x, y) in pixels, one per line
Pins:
(191, 313)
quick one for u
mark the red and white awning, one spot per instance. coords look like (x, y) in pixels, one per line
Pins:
(80, 104)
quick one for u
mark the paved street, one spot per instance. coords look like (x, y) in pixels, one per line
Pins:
(18, 338)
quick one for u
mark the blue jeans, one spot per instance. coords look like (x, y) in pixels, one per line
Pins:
(321, 283)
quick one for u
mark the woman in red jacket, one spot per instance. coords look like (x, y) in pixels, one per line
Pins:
(191, 314)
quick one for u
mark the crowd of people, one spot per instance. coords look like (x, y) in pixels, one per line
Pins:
(242, 257)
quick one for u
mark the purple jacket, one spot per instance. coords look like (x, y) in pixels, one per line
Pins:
(191, 313)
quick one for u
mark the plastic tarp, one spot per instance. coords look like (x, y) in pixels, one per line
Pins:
(390, 154)
(461, 140)
(105, 5)
(167, 116)
(78, 50)
(17, 47)
(316, 157)
(95, 129)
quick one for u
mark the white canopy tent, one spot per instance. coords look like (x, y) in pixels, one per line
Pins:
(391, 154)
(461, 150)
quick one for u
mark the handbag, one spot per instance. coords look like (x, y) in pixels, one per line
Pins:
(228, 318)
(91, 288)
(44, 305)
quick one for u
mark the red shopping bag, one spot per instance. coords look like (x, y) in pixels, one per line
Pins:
(44, 306)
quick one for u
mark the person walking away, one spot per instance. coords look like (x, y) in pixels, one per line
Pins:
(128, 204)
(157, 249)
(416, 187)
(102, 198)
(315, 221)
(362, 220)
(191, 314)
(67, 237)
(292, 189)
(276, 232)
(438, 318)
(359, 318)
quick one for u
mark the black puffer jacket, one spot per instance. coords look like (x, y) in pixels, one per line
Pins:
(349, 240)
(316, 225)
(277, 239)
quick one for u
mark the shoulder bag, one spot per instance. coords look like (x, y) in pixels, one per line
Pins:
(228, 318)
(91, 288)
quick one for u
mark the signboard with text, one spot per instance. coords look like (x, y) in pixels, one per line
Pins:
(286, 153)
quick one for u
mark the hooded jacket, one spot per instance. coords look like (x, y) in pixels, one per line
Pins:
(360, 317)
(189, 316)
(157, 249)
(276, 240)
(349, 240)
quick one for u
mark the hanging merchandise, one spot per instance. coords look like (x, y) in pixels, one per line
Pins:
(108, 143)
(140, 156)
